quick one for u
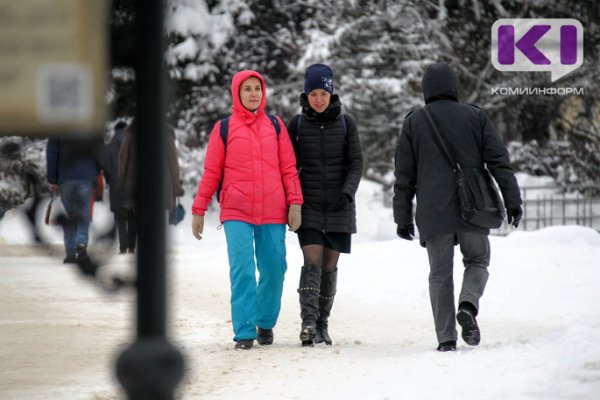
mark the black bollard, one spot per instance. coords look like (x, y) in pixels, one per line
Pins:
(152, 367)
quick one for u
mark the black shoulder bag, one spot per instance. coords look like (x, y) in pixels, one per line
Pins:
(480, 201)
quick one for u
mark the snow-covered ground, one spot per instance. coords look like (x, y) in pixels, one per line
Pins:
(540, 321)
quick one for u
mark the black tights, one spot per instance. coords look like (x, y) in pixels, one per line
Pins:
(320, 256)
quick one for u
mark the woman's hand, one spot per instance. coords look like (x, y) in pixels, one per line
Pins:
(198, 226)
(295, 217)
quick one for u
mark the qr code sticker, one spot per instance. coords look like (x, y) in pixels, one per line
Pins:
(64, 93)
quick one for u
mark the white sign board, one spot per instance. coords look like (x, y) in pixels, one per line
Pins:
(53, 67)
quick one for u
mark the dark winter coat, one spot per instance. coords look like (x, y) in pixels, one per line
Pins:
(111, 172)
(128, 165)
(173, 184)
(73, 159)
(329, 163)
(421, 167)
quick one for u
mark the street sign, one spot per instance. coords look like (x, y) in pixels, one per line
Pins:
(53, 67)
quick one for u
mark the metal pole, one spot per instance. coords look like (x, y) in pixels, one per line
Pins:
(524, 209)
(151, 368)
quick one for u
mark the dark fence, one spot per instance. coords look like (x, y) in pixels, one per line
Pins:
(550, 206)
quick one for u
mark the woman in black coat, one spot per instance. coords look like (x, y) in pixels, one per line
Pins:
(124, 218)
(329, 160)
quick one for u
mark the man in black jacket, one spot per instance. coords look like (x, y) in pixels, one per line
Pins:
(422, 169)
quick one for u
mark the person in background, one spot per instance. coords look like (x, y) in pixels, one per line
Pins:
(124, 218)
(127, 174)
(127, 162)
(422, 169)
(330, 162)
(174, 184)
(256, 168)
(73, 166)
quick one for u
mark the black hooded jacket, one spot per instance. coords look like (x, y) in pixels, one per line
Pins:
(422, 169)
(329, 163)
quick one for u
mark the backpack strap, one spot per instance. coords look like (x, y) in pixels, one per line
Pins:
(344, 125)
(275, 123)
(224, 130)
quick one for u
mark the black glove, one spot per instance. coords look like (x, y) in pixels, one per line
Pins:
(342, 202)
(406, 232)
(514, 215)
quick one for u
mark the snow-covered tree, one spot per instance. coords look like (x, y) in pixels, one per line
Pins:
(378, 50)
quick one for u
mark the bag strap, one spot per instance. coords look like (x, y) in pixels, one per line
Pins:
(441, 142)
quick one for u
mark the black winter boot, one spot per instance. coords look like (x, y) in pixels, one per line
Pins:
(310, 279)
(328, 289)
(264, 336)
(447, 346)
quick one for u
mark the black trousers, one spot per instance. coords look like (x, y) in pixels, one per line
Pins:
(126, 228)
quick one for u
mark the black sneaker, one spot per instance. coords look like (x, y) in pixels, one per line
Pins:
(70, 259)
(81, 252)
(470, 329)
(447, 346)
(244, 344)
(84, 262)
(264, 337)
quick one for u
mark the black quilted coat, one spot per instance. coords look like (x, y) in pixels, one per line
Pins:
(330, 163)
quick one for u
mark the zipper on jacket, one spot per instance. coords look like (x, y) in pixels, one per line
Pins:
(325, 182)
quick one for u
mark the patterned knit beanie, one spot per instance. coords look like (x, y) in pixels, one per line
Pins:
(318, 76)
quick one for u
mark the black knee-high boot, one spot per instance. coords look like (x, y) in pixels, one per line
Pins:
(310, 282)
(328, 289)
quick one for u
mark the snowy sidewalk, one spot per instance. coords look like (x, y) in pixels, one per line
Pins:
(540, 321)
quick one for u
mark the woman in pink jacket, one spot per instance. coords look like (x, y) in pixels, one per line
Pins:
(254, 165)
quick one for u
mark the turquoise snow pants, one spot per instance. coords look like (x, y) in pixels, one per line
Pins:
(255, 304)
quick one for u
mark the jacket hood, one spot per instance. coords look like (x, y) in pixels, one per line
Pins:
(237, 107)
(440, 81)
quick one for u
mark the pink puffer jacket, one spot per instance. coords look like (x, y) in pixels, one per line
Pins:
(260, 179)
